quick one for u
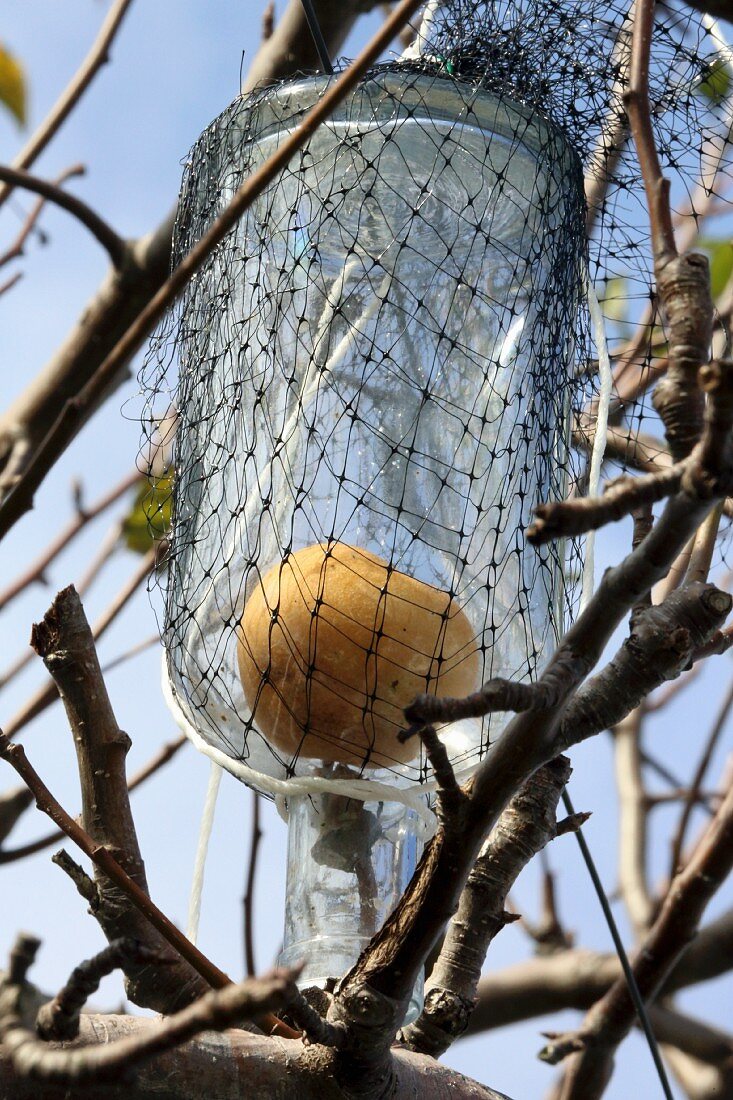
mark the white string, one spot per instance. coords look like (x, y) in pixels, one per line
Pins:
(417, 47)
(202, 850)
(601, 430)
(364, 790)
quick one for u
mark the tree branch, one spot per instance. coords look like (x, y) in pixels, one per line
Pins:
(65, 642)
(18, 246)
(95, 59)
(97, 226)
(526, 825)
(234, 1065)
(374, 993)
(34, 1059)
(611, 1018)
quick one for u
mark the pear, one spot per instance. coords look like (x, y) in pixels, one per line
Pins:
(333, 645)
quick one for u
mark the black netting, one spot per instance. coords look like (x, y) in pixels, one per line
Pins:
(377, 374)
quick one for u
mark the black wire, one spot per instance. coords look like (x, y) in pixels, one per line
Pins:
(636, 997)
(317, 35)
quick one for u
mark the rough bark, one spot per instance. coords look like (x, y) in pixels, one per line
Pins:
(235, 1065)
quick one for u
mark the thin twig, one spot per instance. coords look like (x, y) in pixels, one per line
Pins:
(10, 282)
(97, 226)
(159, 760)
(59, 1018)
(36, 570)
(95, 59)
(133, 651)
(17, 248)
(47, 694)
(248, 903)
(697, 780)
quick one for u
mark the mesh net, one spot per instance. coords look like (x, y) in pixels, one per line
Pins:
(388, 363)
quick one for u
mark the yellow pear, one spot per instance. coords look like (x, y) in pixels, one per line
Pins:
(333, 645)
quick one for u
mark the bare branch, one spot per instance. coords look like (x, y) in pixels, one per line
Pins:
(18, 246)
(525, 826)
(95, 59)
(622, 496)
(36, 571)
(59, 1018)
(610, 1020)
(97, 226)
(32, 1058)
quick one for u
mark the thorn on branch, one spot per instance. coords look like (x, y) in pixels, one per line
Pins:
(573, 822)
(84, 884)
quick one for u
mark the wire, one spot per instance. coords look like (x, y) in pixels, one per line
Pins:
(318, 40)
(634, 991)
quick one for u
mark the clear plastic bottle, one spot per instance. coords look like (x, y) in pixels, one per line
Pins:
(389, 371)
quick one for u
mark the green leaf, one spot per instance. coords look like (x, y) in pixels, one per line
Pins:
(616, 300)
(12, 85)
(720, 254)
(715, 84)
(149, 519)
